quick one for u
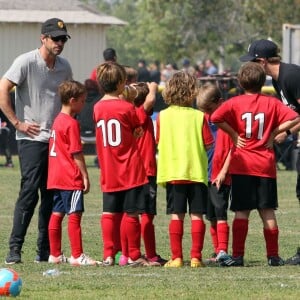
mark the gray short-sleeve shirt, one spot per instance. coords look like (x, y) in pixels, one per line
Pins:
(36, 94)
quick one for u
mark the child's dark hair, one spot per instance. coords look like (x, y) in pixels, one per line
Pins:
(136, 93)
(110, 75)
(251, 77)
(70, 89)
(181, 89)
(131, 74)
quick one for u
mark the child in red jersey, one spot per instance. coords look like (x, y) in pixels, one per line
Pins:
(255, 119)
(219, 181)
(183, 137)
(143, 96)
(69, 185)
(123, 175)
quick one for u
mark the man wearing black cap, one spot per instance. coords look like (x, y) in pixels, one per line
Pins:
(36, 76)
(286, 81)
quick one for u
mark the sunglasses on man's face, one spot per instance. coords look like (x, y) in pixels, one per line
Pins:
(61, 38)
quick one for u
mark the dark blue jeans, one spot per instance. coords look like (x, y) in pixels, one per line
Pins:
(34, 168)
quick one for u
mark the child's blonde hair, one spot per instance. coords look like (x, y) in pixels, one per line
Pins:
(110, 75)
(181, 89)
(208, 95)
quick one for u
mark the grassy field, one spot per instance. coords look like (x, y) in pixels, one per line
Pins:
(254, 281)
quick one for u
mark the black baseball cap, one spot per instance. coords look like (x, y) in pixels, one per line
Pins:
(260, 49)
(54, 27)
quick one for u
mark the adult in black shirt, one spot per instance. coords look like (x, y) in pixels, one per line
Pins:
(286, 81)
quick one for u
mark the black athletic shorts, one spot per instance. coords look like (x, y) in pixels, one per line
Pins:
(217, 202)
(130, 201)
(253, 192)
(180, 195)
(150, 195)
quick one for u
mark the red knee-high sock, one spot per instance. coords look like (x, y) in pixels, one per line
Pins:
(198, 232)
(133, 232)
(223, 236)
(148, 235)
(176, 234)
(239, 235)
(117, 233)
(54, 230)
(214, 237)
(74, 231)
(271, 238)
(124, 241)
(108, 229)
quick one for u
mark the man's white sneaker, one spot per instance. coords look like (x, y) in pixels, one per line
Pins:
(82, 260)
(57, 259)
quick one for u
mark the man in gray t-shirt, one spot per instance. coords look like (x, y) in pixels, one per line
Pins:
(35, 76)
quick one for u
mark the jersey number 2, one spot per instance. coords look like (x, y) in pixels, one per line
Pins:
(52, 150)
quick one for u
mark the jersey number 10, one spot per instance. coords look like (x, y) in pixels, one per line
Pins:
(111, 132)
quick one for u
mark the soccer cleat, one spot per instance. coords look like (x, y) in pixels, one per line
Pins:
(275, 261)
(123, 261)
(108, 262)
(174, 263)
(57, 259)
(294, 260)
(13, 256)
(222, 255)
(140, 262)
(157, 261)
(197, 263)
(211, 260)
(230, 261)
(82, 260)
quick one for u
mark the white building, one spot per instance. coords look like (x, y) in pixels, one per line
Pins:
(20, 28)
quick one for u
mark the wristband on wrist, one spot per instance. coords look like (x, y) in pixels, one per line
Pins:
(288, 132)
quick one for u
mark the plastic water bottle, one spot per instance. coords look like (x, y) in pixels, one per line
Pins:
(52, 273)
(117, 257)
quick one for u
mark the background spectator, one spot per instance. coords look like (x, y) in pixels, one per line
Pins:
(109, 54)
(210, 67)
(143, 72)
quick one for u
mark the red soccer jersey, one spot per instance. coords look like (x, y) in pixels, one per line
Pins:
(121, 164)
(253, 117)
(146, 143)
(63, 173)
(223, 144)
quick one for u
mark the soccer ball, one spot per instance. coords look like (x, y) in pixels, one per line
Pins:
(10, 282)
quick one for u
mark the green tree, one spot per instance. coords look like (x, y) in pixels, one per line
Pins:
(169, 30)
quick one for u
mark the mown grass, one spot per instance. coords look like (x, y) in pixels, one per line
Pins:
(255, 281)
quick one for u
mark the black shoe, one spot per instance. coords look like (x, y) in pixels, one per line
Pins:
(13, 256)
(275, 261)
(230, 261)
(42, 257)
(294, 260)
